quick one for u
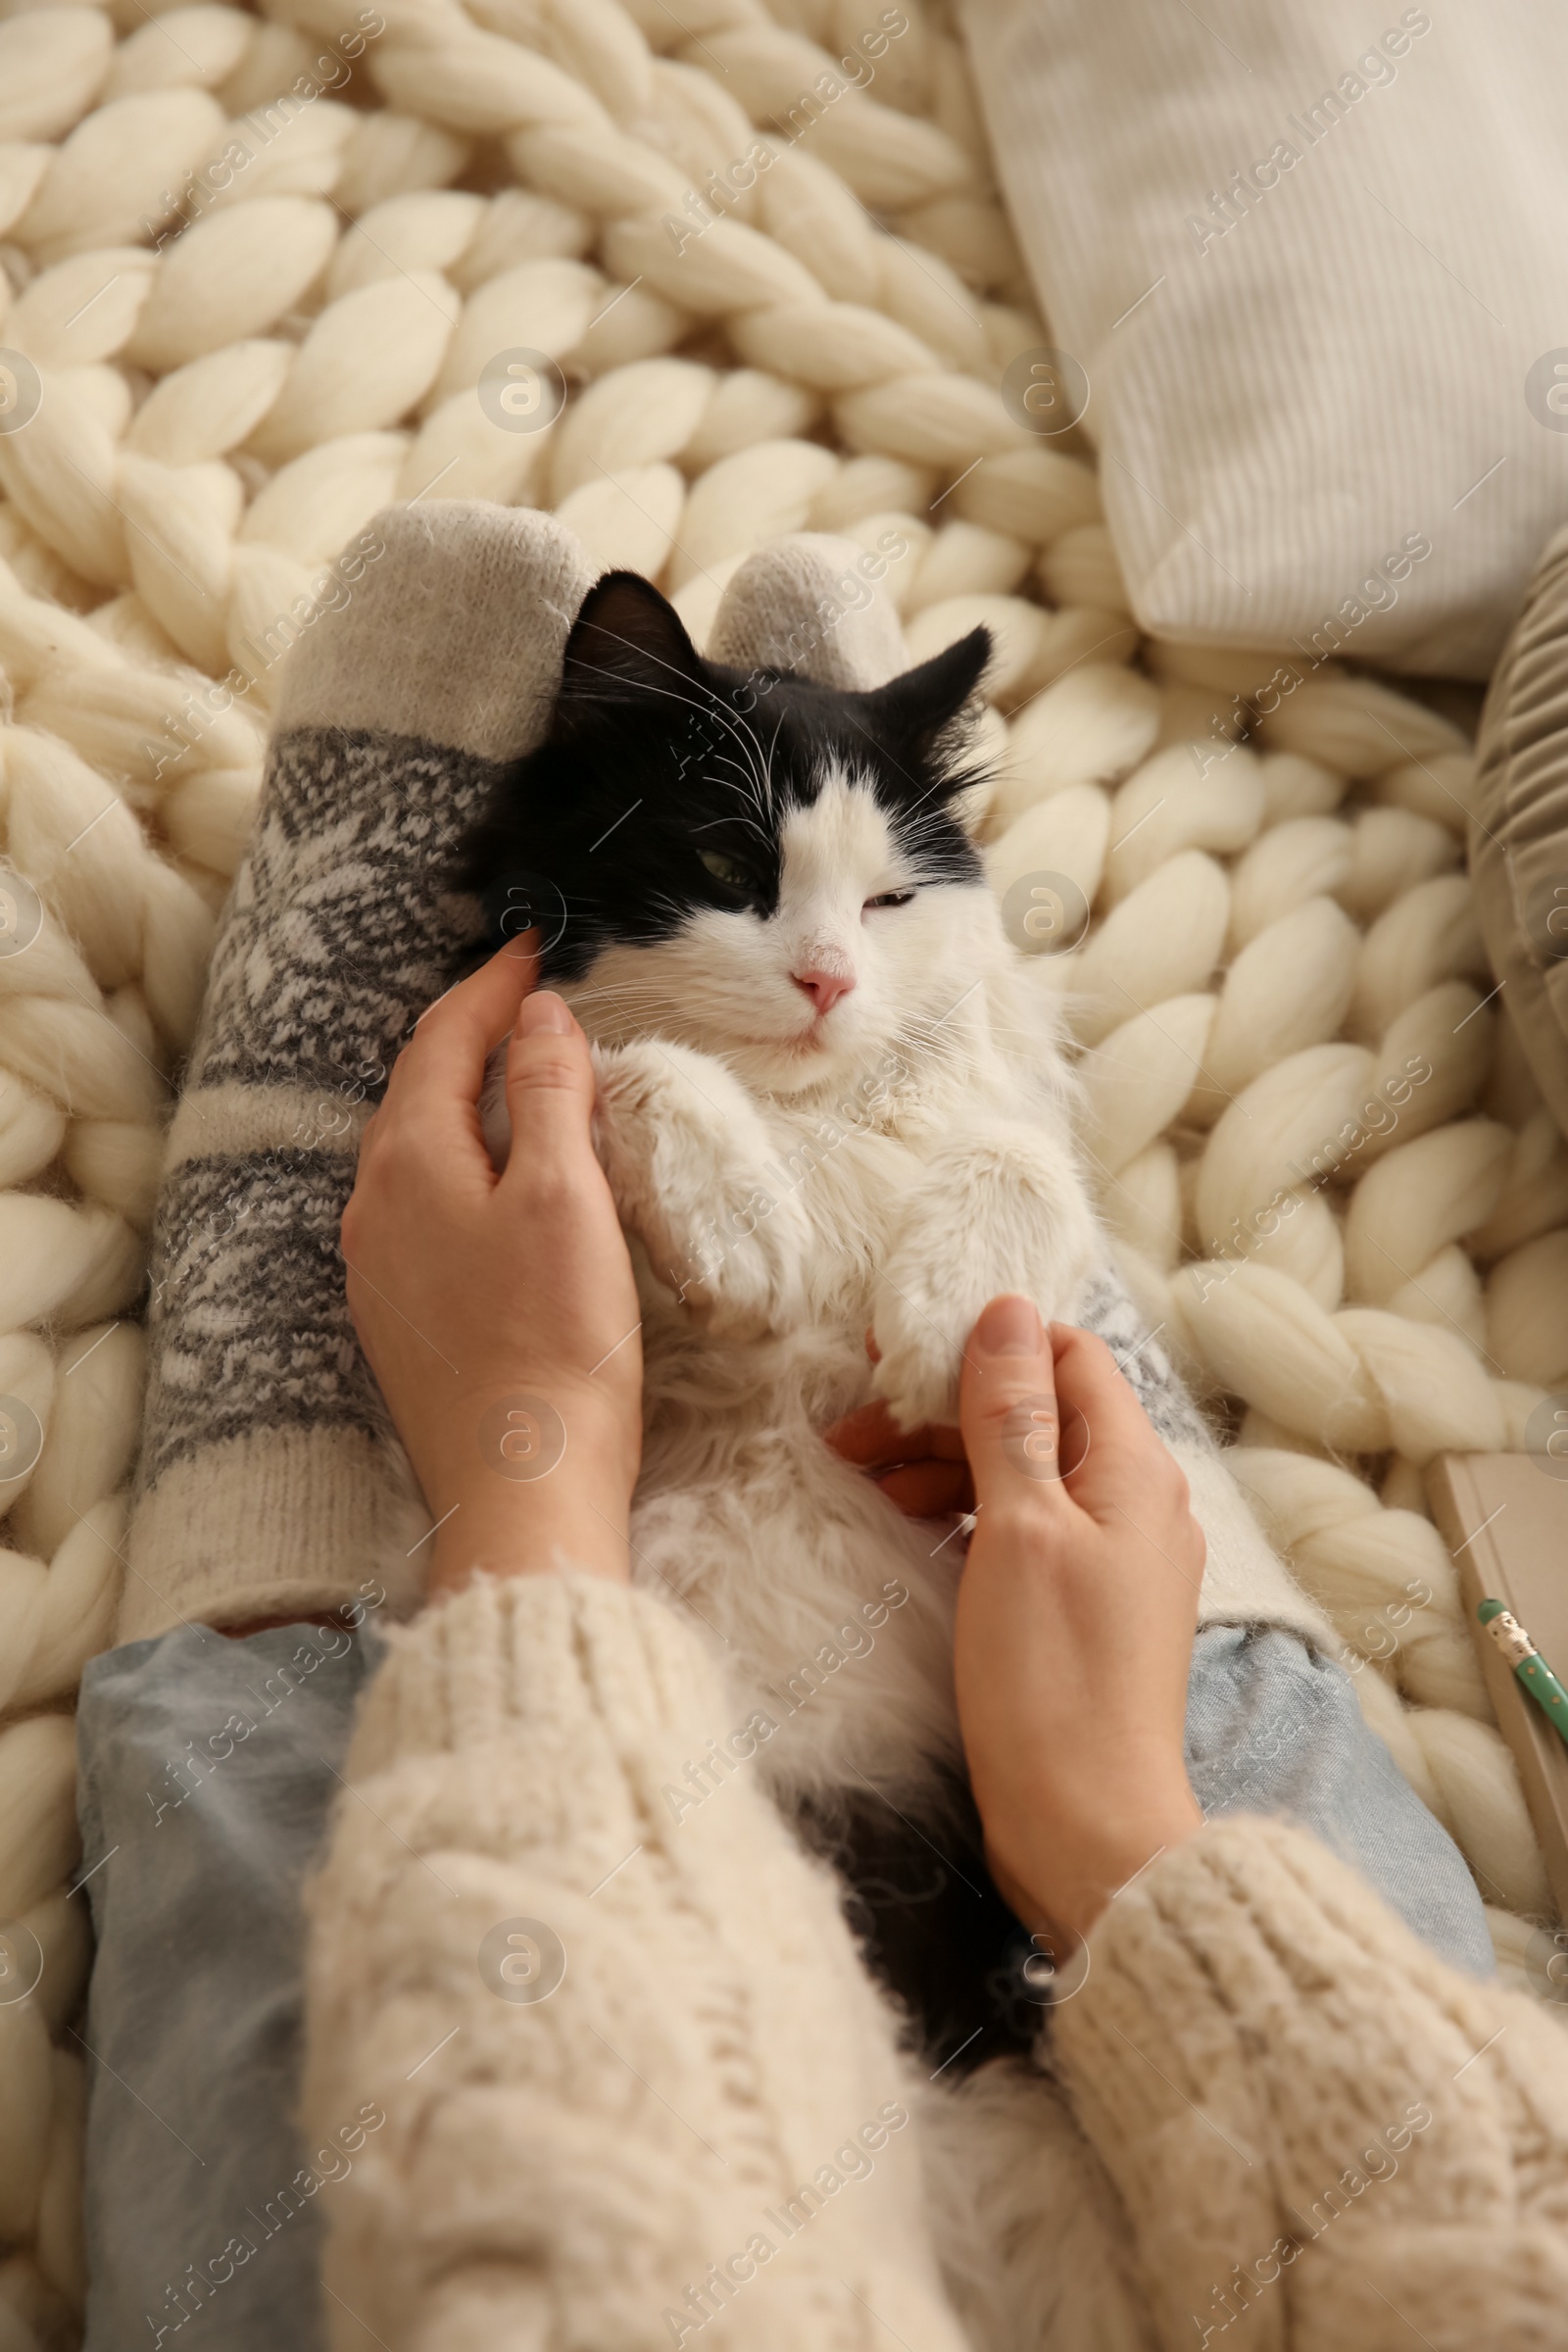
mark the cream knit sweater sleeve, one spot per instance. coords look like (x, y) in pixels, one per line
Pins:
(635, 2085)
(1326, 2138)
(635, 2088)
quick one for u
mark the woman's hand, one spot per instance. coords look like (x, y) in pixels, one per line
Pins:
(499, 1314)
(1076, 1609)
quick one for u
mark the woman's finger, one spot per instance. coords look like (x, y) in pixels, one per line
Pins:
(549, 1092)
(928, 1490)
(442, 1066)
(869, 1439)
(872, 1439)
(1010, 1411)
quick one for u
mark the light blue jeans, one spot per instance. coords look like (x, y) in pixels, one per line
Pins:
(1274, 1727)
(208, 1771)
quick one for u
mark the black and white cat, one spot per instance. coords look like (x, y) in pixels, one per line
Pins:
(832, 1099)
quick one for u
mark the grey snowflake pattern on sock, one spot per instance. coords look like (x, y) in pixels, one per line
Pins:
(339, 933)
(337, 937)
(1107, 1309)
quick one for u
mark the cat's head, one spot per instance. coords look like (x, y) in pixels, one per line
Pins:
(770, 871)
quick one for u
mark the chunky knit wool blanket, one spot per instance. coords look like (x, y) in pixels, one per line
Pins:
(691, 279)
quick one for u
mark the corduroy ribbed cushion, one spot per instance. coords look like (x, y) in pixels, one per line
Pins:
(1309, 260)
(1519, 826)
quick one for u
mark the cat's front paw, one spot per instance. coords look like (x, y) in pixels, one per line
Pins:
(1003, 1210)
(685, 1153)
(919, 1344)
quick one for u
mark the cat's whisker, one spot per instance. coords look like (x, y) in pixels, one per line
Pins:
(615, 1009)
(627, 986)
(741, 786)
(713, 709)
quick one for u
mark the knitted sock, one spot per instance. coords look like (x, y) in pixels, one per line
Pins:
(270, 1483)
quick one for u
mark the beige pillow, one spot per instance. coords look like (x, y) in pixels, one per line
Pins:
(1311, 261)
(1519, 832)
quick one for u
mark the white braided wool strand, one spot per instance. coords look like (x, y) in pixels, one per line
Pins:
(1282, 926)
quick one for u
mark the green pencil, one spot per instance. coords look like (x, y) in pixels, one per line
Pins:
(1528, 1664)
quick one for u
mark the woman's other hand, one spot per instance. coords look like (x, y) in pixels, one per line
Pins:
(1077, 1606)
(924, 1471)
(1076, 1609)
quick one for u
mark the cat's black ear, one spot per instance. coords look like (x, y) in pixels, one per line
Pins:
(909, 716)
(627, 643)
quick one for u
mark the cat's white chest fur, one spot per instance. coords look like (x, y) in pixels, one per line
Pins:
(771, 1235)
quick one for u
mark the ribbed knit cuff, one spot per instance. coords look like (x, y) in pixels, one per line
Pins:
(549, 1652)
(1257, 2034)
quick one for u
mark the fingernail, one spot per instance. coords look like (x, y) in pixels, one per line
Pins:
(544, 1009)
(1010, 1327)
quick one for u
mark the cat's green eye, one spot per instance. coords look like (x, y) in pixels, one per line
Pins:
(727, 871)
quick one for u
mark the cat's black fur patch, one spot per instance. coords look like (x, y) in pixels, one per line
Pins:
(933, 1928)
(654, 755)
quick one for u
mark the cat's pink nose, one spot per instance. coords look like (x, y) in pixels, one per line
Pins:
(823, 987)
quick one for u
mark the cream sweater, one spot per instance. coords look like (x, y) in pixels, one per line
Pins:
(669, 2109)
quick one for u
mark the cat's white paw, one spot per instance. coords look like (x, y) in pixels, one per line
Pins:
(1003, 1210)
(685, 1153)
(920, 1352)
